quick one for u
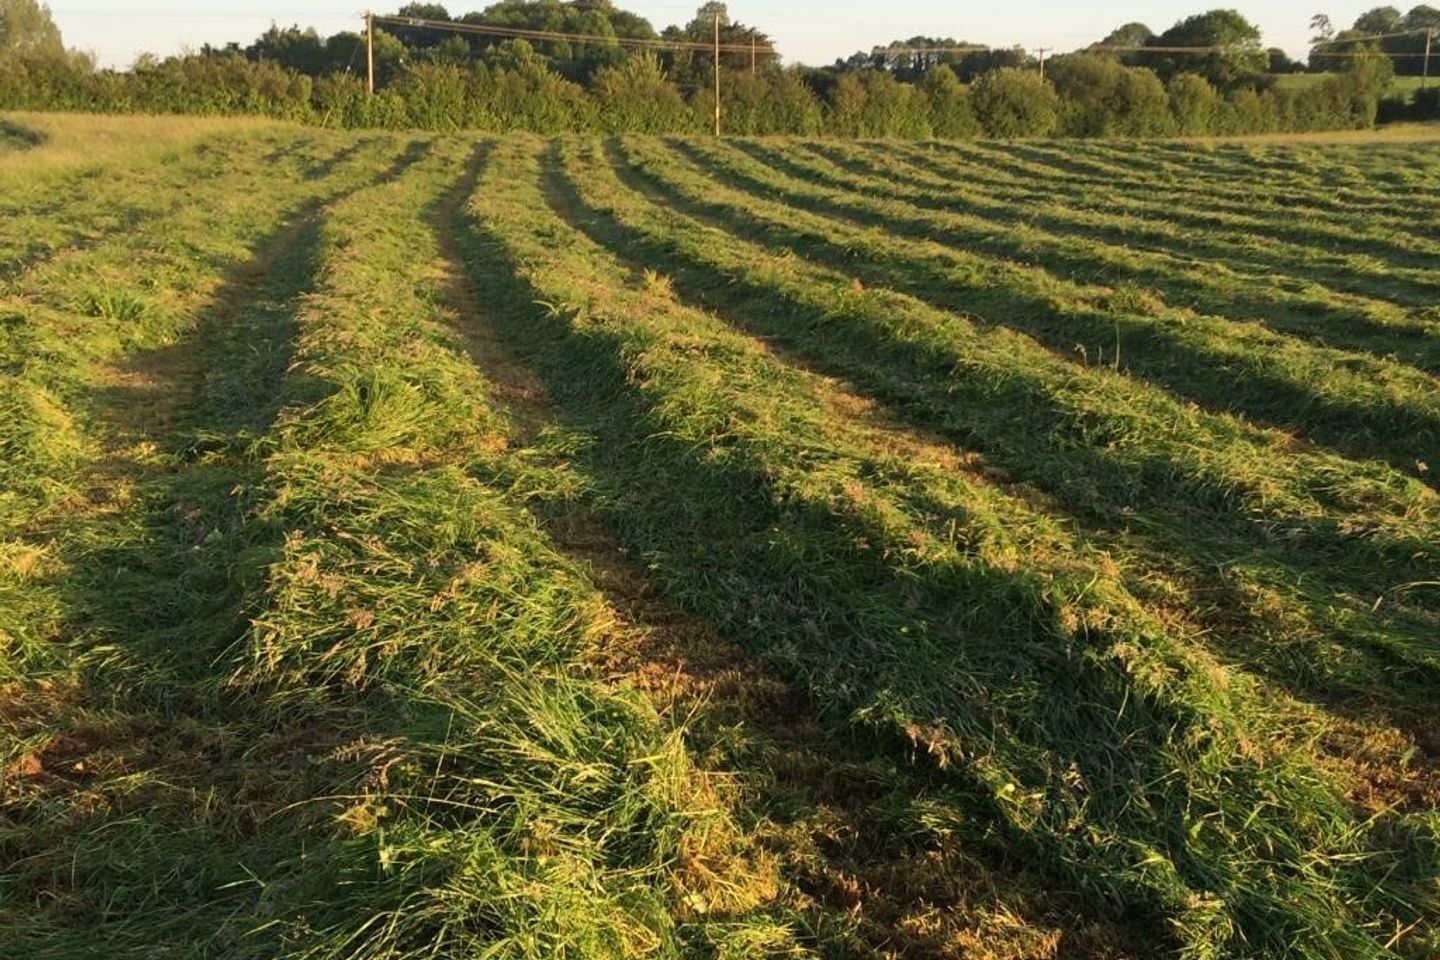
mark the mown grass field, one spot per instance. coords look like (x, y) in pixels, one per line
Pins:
(420, 546)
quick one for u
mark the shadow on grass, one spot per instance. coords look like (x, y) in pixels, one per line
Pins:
(1398, 435)
(851, 822)
(156, 801)
(1315, 319)
(802, 585)
(15, 137)
(1144, 510)
(1245, 258)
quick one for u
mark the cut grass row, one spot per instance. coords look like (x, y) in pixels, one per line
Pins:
(1260, 606)
(61, 325)
(1148, 223)
(1238, 583)
(91, 146)
(1355, 173)
(302, 661)
(1068, 238)
(922, 601)
(1063, 241)
(149, 804)
(121, 577)
(328, 693)
(200, 786)
(513, 801)
(1353, 402)
(66, 217)
(869, 859)
(1335, 299)
(1217, 491)
(1332, 166)
(68, 315)
(1387, 228)
(1107, 167)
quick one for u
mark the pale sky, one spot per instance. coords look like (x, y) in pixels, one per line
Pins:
(806, 31)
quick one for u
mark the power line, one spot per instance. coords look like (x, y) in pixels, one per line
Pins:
(958, 48)
(1384, 54)
(961, 48)
(1371, 36)
(520, 33)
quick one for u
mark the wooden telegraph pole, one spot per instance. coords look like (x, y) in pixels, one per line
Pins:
(1425, 70)
(369, 53)
(717, 73)
(1042, 51)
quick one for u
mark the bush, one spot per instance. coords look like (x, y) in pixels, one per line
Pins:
(635, 97)
(845, 113)
(436, 97)
(1013, 103)
(948, 103)
(531, 97)
(791, 107)
(771, 103)
(1247, 111)
(893, 109)
(512, 87)
(1195, 105)
(1099, 97)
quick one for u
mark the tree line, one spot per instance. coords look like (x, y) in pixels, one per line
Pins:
(925, 87)
(1402, 39)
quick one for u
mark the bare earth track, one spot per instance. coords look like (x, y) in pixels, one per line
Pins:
(533, 549)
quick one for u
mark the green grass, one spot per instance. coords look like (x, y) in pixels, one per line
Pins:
(640, 548)
(1398, 86)
(1213, 360)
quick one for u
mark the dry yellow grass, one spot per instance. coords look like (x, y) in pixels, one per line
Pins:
(1391, 133)
(73, 139)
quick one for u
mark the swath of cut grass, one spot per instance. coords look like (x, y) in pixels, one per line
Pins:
(1039, 229)
(1359, 404)
(762, 291)
(799, 567)
(326, 634)
(526, 807)
(64, 141)
(130, 581)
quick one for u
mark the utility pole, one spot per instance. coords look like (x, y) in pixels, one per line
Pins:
(369, 53)
(1042, 51)
(717, 73)
(1425, 70)
(752, 55)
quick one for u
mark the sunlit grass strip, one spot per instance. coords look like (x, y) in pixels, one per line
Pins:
(1141, 445)
(1324, 283)
(964, 643)
(63, 321)
(1358, 404)
(1081, 242)
(528, 808)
